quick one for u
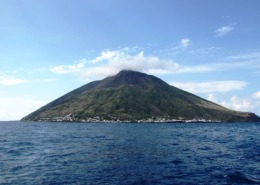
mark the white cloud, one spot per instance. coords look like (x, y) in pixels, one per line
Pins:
(10, 80)
(65, 69)
(202, 52)
(105, 56)
(120, 60)
(211, 86)
(247, 56)
(109, 62)
(185, 42)
(256, 95)
(112, 61)
(239, 104)
(16, 108)
(246, 60)
(181, 47)
(245, 104)
(225, 30)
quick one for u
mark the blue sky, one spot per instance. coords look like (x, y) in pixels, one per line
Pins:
(208, 47)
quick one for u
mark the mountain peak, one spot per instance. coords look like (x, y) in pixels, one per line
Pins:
(129, 77)
(135, 96)
(131, 72)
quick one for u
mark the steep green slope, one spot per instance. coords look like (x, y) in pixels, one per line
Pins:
(133, 96)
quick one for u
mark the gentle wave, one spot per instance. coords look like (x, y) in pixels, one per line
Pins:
(96, 153)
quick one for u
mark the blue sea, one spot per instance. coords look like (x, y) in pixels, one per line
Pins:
(129, 153)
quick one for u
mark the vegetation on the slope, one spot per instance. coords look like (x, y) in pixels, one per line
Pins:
(133, 96)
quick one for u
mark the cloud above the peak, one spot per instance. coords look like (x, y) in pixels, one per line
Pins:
(109, 62)
(224, 30)
(112, 62)
(105, 55)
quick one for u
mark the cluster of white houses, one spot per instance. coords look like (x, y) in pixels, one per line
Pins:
(98, 119)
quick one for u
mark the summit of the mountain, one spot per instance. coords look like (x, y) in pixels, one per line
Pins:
(134, 96)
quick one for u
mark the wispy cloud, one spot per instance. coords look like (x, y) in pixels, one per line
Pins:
(224, 30)
(11, 80)
(256, 95)
(182, 46)
(109, 62)
(248, 56)
(48, 80)
(65, 69)
(120, 60)
(185, 42)
(105, 55)
(204, 52)
(210, 86)
(247, 60)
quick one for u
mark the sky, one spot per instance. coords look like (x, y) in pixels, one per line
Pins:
(207, 47)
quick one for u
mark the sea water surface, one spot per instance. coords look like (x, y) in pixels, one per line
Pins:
(129, 153)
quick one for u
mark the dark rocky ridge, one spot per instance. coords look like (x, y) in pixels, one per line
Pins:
(134, 96)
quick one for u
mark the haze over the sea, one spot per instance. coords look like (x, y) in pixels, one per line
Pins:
(48, 48)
